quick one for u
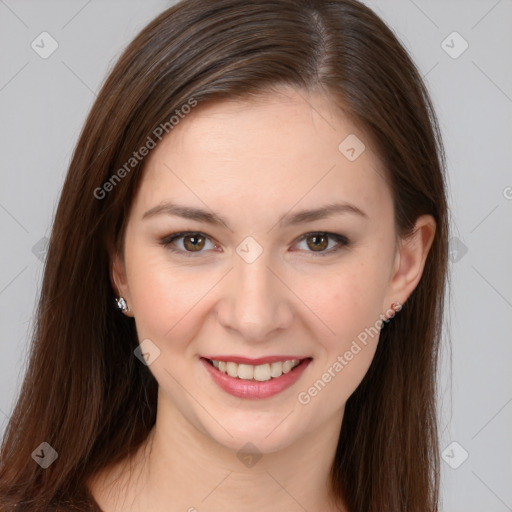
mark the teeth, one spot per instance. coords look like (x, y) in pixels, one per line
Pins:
(260, 373)
(287, 366)
(245, 371)
(276, 369)
(232, 369)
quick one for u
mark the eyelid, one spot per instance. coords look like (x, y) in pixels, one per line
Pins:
(341, 240)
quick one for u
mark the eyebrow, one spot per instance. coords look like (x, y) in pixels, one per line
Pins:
(303, 216)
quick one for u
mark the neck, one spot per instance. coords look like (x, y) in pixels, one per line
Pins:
(179, 468)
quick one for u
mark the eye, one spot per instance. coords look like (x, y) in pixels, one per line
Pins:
(189, 242)
(318, 242)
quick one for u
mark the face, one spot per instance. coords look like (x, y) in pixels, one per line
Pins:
(222, 263)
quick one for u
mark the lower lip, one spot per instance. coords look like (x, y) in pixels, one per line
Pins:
(254, 389)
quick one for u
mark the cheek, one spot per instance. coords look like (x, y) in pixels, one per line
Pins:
(164, 298)
(350, 308)
(345, 300)
(348, 302)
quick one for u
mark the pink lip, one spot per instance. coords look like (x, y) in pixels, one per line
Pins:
(251, 388)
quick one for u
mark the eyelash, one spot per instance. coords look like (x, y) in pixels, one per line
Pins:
(342, 241)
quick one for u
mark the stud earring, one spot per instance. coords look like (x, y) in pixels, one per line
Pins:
(394, 308)
(121, 304)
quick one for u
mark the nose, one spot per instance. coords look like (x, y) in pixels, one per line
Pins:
(255, 303)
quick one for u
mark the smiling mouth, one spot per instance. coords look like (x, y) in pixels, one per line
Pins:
(256, 373)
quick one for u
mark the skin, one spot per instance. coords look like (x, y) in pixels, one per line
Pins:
(252, 162)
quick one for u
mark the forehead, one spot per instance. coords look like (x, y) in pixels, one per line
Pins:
(286, 124)
(281, 147)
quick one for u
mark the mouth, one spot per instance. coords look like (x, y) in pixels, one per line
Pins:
(263, 378)
(260, 372)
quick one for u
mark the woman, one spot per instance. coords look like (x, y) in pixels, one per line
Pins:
(243, 295)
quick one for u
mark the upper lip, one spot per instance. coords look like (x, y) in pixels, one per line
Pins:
(254, 362)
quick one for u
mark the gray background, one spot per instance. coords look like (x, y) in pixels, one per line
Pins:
(44, 102)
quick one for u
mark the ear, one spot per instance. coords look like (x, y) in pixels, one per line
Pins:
(410, 260)
(119, 281)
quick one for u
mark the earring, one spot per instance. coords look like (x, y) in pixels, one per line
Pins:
(395, 307)
(121, 304)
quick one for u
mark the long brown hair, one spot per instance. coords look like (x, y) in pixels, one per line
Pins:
(85, 393)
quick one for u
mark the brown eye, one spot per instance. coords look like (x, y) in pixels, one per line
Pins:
(317, 242)
(190, 243)
(193, 243)
(322, 243)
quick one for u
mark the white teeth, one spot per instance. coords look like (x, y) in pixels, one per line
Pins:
(276, 369)
(232, 369)
(287, 366)
(245, 371)
(261, 373)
